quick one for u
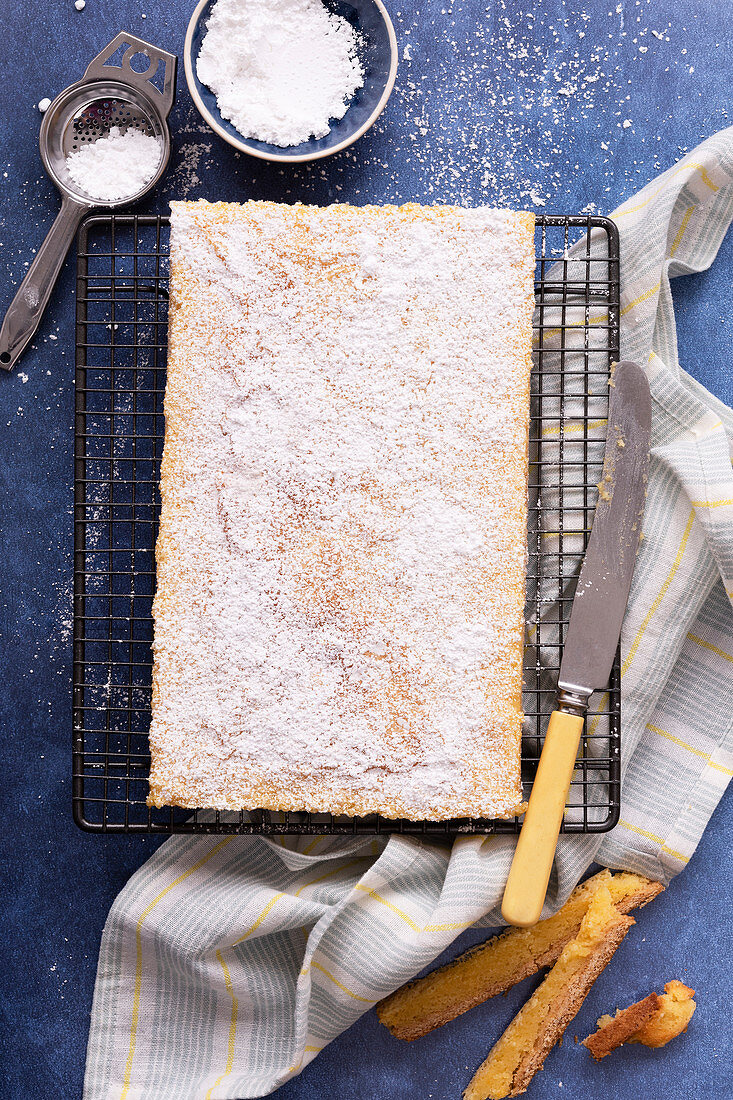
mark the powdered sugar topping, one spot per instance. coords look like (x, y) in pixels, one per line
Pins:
(338, 479)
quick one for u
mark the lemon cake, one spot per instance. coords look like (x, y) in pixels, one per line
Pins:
(654, 1021)
(615, 1030)
(341, 557)
(521, 1051)
(495, 966)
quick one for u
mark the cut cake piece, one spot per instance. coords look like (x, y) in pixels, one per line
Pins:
(615, 1030)
(653, 1021)
(495, 966)
(521, 1051)
(676, 1009)
(339, 611)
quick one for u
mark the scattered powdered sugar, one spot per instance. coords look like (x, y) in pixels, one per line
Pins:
(116, 166)
(281, 70)
(188, 171)
(336, 610)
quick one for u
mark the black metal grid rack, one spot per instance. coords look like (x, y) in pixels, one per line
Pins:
(122, 297)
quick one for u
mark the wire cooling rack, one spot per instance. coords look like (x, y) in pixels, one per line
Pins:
(122, 300)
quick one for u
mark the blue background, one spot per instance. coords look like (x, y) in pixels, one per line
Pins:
(496, 102)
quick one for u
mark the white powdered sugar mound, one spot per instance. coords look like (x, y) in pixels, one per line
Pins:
(281, 70)
(116, 166)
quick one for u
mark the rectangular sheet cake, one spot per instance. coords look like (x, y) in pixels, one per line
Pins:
(341, 559)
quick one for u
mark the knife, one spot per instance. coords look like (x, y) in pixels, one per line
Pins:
(592, 635)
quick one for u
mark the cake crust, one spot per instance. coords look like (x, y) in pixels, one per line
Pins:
(341, 557)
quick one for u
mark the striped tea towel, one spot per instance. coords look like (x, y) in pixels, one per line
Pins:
(228, 963)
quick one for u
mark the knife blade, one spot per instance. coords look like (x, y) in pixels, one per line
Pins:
(592, 636)
(603, 586)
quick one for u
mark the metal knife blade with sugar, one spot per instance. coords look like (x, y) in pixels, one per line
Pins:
(592, 635)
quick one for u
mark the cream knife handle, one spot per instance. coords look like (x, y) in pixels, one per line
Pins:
(524, 894)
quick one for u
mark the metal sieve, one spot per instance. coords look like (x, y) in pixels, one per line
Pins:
(111, 93)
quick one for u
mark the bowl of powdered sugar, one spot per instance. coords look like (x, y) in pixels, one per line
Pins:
(290, 80)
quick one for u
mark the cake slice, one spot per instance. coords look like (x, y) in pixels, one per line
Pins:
(497, 965)
(541, 1022)
(339, 612)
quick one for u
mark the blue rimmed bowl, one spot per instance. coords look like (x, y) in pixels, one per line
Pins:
(378, 56)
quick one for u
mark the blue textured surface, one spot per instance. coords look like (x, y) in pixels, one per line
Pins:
(496, 102)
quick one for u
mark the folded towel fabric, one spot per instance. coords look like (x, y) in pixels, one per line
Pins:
(228, 963)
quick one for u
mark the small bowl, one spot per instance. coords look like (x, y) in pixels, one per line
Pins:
(378, 57)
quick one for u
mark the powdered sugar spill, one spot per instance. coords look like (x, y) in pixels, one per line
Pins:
(116, 166)
(340, 594)
(281, 70)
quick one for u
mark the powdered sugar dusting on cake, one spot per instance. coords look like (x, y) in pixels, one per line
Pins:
(340, 603)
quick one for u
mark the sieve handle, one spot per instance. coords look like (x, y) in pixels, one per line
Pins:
(26, 308)
(162, 96)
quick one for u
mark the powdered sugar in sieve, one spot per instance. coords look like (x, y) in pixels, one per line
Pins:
(117, 165)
